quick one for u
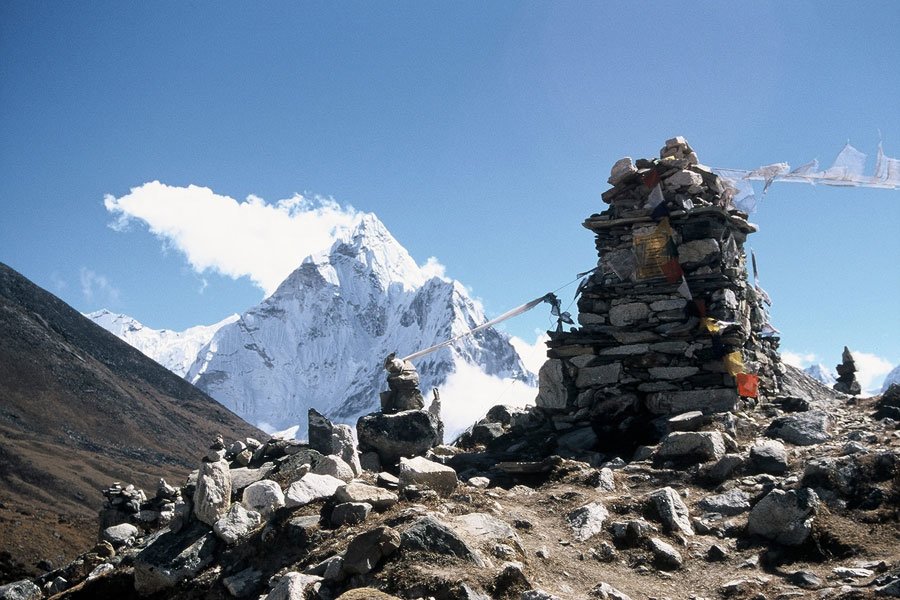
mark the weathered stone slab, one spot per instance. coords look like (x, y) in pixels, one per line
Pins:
(708, 401)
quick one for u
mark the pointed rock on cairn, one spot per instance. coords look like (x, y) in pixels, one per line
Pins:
(846, 381)
(404, 427)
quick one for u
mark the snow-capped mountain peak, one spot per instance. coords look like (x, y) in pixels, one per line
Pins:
(820, 373)
(175, 350)
(321, 338)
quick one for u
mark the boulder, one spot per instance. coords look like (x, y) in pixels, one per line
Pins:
(801, 429)
(173, 557)
(335, 466)
(236, 524)
(350, 513)
(293, 586)
(604, 591)
(785, 517)
(694, 446)
(733, 502)
(379, 498)
(264, 497)
(768, 456)
(243, 583)
(587, 520)
(421, 471)
(430, 535)
(665, 555)
(120, 535)
(366, 550)
(672, 511)
(366, 594)
(309, 488)
(243, 476)
(328, 438)
(20, 590)
(213, 495)
(402, 434)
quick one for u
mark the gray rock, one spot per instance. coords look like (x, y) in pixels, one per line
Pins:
(366, 550)
(309, 488)
(587, 520)
(768, 456)
(335, 466)
(801, 429)
(723, 468)
(302, 530)
(120, 535)
(242, 477)
(293, 586)
(57, 585)
(298, 464)
(665, 555)
(350, 513)
(697, 446)
(370, 461)
(379, 498)
(698, 252)
(621, 169)
(420, 471)
(672, 511)
(392, 436)
(672, 372)
(243, 583)
(173, 557)
(582, 438)
(552, 392)
(213, 495)
(733, 502)
(486, 528)
(538, 595)
(675, 402)
(604, 591)
(20, 590)
(430, 535)
(689, 421)
(599, 375)
(100, 570)
(236, 524)
(784, 517)
(629, 313)
(329, 438)
(264, 497)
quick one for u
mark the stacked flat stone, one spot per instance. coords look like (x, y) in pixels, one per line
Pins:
(651, 345)
(129, 504)
(846, 381)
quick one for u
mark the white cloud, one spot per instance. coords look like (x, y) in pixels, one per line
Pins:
(871, 370)
(469, 393)
(262, 241)
(801, 360)
(433, 268)
(533, 355)
(97, 288)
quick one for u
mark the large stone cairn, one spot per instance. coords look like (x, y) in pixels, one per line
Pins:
(668, 321)
(129, 504)
(846, 381)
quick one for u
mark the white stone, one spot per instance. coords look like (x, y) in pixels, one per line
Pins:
(335, 466)
(264, 497)
(672, 510)
(421, 471)
(293, 586)
(236, 524)
(692, 445)
(309, 488)
(587, 521)
(120, 535)
(213, 495)
(379, 498)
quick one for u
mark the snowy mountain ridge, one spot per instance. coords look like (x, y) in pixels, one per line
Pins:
(820, 373)
(175, 350)
(320, 339)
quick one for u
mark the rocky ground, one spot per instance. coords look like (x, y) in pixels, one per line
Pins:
(793, 498)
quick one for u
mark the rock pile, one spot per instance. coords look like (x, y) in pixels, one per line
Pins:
(846, 381)
(668, 322)
(130, 505)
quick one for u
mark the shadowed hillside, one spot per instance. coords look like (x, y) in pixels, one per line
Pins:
(80, 409)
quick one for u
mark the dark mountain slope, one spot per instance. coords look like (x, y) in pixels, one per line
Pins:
(80, 409)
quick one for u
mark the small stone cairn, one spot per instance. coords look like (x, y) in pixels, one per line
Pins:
(403, 428)
(129, 504)
(669, 322)
(846, 381)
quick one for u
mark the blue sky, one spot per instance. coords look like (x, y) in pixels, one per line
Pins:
(480, 133)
